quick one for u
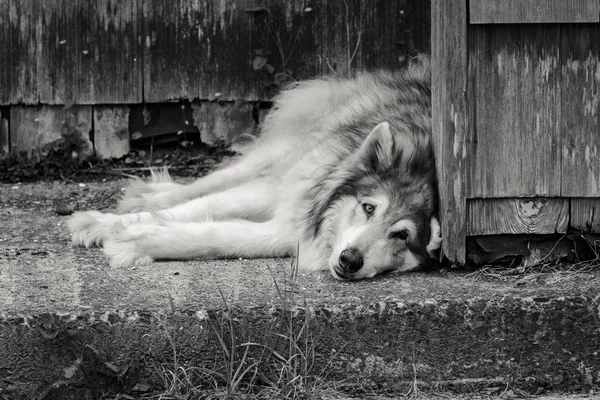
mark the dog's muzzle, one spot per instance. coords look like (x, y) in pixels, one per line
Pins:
(350, 261)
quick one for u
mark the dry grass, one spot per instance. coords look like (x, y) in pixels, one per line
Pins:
(281, 366)
(559, 269)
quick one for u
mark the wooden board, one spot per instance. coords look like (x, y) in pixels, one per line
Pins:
(111, 131)
(517, 216)
(515, 74)
(75, 51)
(450, 130)
(585, 214)
(581, 110)
(33, 128)
(25, 34)
(111, 57)
(247, 49)
(92, 51)
(5, 49)
(530, 11)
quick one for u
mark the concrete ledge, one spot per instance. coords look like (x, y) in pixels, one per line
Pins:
(71, 326)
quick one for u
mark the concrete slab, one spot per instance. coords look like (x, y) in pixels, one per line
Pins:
(70, 325)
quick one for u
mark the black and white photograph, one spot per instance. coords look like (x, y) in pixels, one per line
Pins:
(299, 199)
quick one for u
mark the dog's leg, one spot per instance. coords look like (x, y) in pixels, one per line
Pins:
(143, 243)
(256, 164)
(254, 201)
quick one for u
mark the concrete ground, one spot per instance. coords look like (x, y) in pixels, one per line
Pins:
(73, 327)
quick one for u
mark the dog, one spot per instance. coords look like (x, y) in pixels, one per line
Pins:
(343, 173)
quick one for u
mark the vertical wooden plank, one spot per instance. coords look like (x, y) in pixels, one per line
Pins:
(532, 11)
(57, 42)
(25, 31)
(449, 86)
(517, 216)
(585, 214)
(76, 51)
(111, 131)
(173, 30)
(581, 110)
(516, 109)
(34, 128)
(111, 52)
(5, 52)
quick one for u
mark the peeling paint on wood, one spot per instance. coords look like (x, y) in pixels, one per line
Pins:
(111, 131)
(75, 51)
(581, 110)
(24, 48)
(517, 216)
(450, 129)
(92, 51)
(223, 121)
(33, 129)
(229, 49)
(516, 85)
(585, 214)
(532, 11)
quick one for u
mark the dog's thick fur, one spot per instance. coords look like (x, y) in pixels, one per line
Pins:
(343, 170)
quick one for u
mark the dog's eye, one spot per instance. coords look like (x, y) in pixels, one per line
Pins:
(368, 209)
(402, 235)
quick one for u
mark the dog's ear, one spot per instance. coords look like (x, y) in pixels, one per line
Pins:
(377, 151)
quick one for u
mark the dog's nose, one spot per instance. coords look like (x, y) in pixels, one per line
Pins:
(350, 260)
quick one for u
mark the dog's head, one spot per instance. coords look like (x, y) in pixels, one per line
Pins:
(385, 214)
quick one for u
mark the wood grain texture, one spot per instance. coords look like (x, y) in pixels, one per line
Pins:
(517, 216)
(117, 51)
(75, 51)
(516, 87)
(25, 34)
(585, 214)
(252, 48)
(33, 128)
(5, 52)
(581, 110)
(450, 128)
(111, 131)
(111, 60)
(532, 11)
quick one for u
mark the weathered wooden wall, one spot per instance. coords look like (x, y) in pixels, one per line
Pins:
(523, 156)
(535, 109)
(532, 11)
(72, 52)
(133, 51)
(123, 53)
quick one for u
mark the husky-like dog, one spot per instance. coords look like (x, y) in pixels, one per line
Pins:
(343, 171)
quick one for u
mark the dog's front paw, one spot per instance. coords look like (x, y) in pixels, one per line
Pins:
(435, 241)
(128, 246)
(89, 228)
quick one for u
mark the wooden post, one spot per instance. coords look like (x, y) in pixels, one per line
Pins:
(449, 88)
